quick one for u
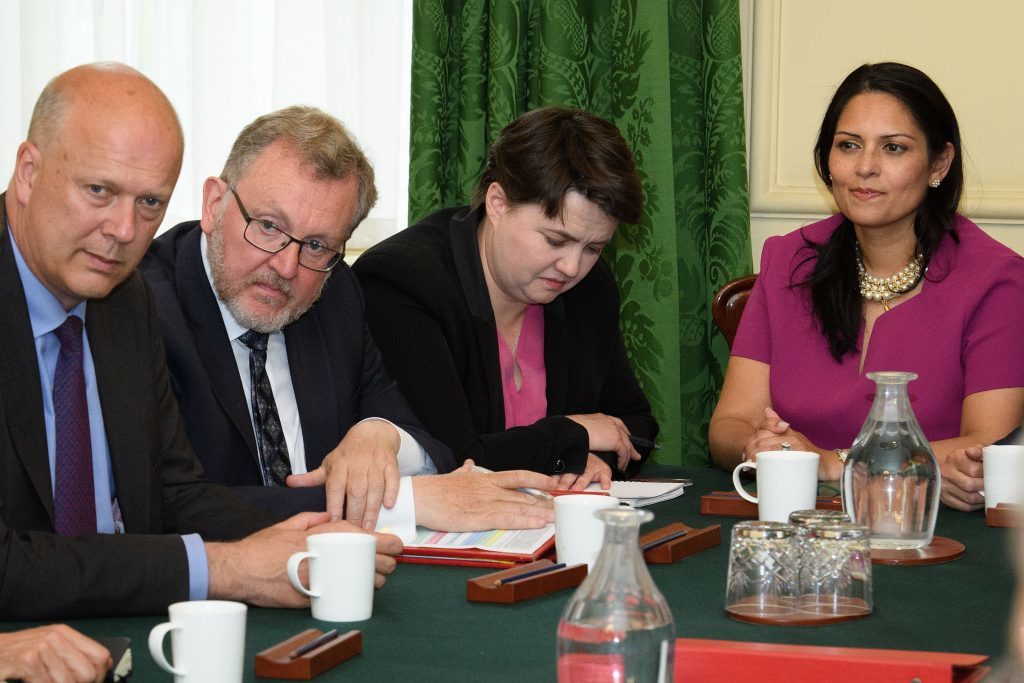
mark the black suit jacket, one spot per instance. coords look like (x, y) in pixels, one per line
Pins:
(335, 367)
(159, 484)
(429, 310)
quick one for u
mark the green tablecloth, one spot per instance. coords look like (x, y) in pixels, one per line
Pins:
(424, 629)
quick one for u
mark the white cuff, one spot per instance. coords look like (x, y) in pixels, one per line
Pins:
(401, 519)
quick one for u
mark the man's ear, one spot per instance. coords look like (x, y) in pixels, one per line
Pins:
(26, 166)
(215, 191)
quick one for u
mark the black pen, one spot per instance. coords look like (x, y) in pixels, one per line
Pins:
(664, 539)
(641, 442)
(314, 644)
(530, 574)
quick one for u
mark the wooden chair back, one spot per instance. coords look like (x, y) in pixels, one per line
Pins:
(728, 305)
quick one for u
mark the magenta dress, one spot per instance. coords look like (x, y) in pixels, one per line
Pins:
(962, 333)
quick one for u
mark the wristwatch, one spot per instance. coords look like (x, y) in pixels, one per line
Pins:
(842, 454)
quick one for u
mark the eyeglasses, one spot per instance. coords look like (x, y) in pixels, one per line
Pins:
(266, 236)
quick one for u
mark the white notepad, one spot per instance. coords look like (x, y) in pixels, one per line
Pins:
(641, 493)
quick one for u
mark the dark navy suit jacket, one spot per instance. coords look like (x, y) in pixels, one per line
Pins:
(336, 371)
(159, 485)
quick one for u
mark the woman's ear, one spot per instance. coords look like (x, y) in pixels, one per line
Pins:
(496, 201)
(940, 164)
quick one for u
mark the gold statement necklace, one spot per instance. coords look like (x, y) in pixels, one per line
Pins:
(885, 289)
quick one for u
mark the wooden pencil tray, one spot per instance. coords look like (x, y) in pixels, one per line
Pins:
(486, 588)
(1004, 515)
(274, 662)
(693, 542)
(729, 504)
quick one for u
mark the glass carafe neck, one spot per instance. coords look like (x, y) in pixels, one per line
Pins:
(621, 535)
(892, 400)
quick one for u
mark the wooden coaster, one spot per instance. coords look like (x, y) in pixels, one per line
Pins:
(789, 613)
(1004, 515)
(729, 504)
(941, 549)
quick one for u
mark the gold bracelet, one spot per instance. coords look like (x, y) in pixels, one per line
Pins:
(842, 454)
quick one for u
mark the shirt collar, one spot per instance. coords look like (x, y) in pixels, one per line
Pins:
(45, 312)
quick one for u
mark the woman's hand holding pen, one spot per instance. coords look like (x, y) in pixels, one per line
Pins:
(607, 434)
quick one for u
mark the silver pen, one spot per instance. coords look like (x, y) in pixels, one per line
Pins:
(537, 493)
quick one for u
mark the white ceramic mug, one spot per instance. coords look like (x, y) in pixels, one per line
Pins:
(579, 534)
(1004, 475)
(786, 481)
(341, 568)
(207, 641)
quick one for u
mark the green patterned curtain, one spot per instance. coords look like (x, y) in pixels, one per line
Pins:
(668, 73)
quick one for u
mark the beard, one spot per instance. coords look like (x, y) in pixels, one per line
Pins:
(230, 292)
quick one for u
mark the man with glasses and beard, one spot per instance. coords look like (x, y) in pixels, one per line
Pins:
(282, 390)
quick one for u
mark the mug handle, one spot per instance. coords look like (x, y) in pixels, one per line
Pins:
(293, 573)
(156, 647)
(736, 480)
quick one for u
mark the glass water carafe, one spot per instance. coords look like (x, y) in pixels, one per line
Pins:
(617, 626)
(891, 478)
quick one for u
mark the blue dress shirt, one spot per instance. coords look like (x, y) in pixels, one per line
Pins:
(46, 314)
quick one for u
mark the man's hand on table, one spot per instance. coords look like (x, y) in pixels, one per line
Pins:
(54, 653)
(465, 500)
(253, 570)
(360, 474)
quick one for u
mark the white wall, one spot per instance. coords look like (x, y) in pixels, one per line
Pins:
(797, 51)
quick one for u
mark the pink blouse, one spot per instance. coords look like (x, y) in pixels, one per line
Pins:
(528, 403)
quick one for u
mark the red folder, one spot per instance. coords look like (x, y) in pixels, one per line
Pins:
(713, 661)
(472, 557)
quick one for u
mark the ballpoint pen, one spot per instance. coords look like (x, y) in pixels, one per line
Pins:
(530, 574)
(537, 493)
(663, 540)
(313, 644)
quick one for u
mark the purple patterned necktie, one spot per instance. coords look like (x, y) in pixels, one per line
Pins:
(270, 441)
(74, 499)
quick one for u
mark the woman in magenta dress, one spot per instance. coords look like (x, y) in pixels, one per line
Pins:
(897, 280)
